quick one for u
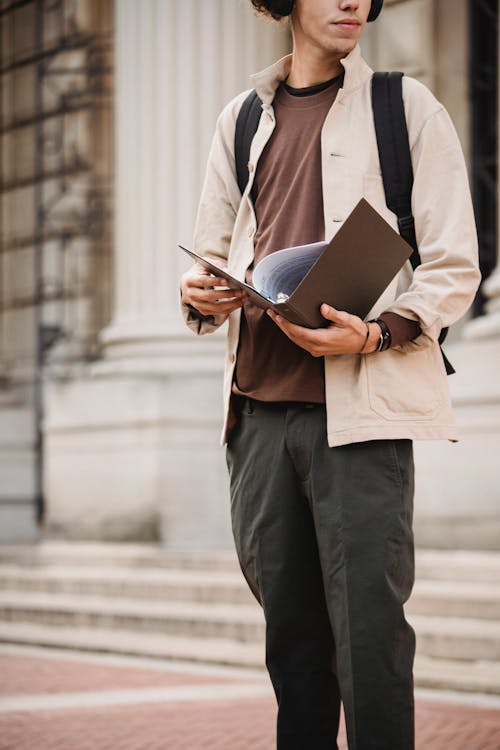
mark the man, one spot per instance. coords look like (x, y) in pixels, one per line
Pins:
(320, 423)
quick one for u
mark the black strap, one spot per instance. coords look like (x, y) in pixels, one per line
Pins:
(394, 153)
(395, 162)
(246, 127)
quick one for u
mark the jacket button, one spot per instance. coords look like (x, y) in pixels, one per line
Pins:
(250, 166)
(251, 231)
(232, 358)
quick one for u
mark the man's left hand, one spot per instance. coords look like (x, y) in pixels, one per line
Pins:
(346, 334)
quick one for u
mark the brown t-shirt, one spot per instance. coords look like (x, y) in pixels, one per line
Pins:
(288, 201)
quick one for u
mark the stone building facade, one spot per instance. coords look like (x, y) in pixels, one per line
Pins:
(56, 198)
(110, 409)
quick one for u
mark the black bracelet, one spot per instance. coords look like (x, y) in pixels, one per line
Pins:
(362, 350)
(385, 335)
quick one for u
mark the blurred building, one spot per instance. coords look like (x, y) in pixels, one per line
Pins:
(110, 409)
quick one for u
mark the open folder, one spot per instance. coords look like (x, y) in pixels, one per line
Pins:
(349, 272)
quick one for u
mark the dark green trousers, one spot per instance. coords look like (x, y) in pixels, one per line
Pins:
(324, 538)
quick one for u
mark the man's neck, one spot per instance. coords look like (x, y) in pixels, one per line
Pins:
(310, 69)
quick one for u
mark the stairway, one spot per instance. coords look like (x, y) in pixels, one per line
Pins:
(143, 600)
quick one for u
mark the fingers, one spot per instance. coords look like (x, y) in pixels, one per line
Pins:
(219, 308)
(292, 331)
(209, 294)
(344, 336)
(351, 324)
(313, 340)
(214, 302)
(201, 277)
(210, 300)
(212, 294)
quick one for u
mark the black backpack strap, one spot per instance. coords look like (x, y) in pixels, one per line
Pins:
(247, 123)
(394, 153)
(395, 162)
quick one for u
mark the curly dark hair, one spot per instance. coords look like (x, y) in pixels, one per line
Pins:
(277, 9)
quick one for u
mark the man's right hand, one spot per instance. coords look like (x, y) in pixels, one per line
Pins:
(209, 294)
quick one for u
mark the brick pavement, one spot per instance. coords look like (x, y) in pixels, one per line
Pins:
(171, 707)
(28, 675)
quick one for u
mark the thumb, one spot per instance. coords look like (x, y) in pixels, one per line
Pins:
(335, 316)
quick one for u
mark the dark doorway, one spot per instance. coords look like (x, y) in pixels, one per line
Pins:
(483, 73)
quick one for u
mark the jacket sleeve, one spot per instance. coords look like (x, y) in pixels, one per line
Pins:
(219, 203)
(444, 285)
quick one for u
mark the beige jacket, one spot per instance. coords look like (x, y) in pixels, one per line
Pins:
(402, 392)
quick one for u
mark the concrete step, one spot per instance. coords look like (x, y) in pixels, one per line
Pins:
(196, 606)
(438, 637)
(448, 674)
(479, 677)
(436, 598)
(458, 565)
(162, 584)
(468, 599)
(205, 650)
(92, 554)
(449, 565)
(229, 621)
(457, 638)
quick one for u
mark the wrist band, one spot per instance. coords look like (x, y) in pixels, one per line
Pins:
(366, 338)
(385, 335)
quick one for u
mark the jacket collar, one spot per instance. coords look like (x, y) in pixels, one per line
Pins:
(267, 81)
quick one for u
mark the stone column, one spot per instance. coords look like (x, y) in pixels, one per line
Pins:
(177, 63)
(143, 425)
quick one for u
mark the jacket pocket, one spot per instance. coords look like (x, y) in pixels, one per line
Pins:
(405, 386)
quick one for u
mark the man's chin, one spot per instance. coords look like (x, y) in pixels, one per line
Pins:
(341, 47)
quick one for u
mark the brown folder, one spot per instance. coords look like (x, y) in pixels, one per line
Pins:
(350, 274)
